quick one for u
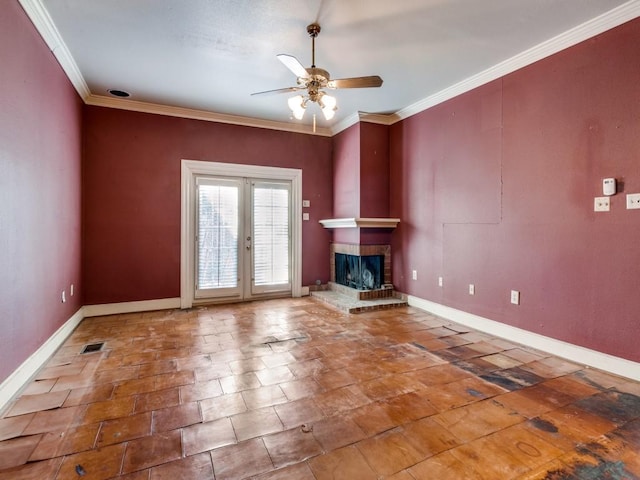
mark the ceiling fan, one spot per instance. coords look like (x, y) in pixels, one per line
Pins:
(313, 80)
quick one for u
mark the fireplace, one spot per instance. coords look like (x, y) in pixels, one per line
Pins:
(360, 279)
(361, 267)
(362, 272)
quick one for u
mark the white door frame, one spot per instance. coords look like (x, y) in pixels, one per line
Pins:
(189, 170)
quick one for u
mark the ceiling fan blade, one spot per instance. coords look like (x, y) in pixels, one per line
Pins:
(294, 65)
(278, 90)
(356, 82)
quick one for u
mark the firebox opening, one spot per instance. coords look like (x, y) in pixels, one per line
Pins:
(359, 272)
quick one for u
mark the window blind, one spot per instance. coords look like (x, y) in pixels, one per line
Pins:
(217, 263)
(271, 233)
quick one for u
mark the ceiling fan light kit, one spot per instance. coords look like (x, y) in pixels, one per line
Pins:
(313, 80)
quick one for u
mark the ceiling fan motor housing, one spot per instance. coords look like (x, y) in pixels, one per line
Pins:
(313, 30)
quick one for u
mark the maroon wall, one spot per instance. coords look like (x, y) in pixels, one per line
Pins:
(346, 181)
(374, 170)
(496, 188)
(361, 180)
(40, 161)
(131, 199)
(374, 181)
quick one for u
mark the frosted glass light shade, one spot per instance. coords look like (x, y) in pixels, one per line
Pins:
(297, 107)
(328, 104)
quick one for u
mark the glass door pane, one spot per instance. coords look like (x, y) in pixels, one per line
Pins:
(271, 228)
(218, 238)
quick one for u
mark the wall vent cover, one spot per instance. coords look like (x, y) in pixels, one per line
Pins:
(92, 347)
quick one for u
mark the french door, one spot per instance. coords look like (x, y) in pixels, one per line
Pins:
(242, 237)
(241, 232)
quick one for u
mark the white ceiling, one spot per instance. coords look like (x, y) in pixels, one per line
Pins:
(210, 55)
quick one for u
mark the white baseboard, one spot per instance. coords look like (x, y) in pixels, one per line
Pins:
(130, 307)
(21, 375)
(569, 351)
(11, 387)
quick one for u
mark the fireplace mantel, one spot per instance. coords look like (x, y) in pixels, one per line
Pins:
(360, 222)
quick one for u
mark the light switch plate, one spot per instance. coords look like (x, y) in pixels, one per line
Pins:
(601, 204)
(633, 201)
(515, 297)
(306, 203)
(305, 216)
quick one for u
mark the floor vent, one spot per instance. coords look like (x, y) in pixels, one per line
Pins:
(92, 347)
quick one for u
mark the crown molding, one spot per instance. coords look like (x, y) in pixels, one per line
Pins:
(378, 118)
(611, 19)
(181, 112)
(345, 123)
(39, 16)
(44, 24)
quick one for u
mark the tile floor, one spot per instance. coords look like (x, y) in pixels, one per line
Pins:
(291, 389)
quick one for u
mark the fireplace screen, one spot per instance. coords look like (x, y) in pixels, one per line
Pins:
(360, 272)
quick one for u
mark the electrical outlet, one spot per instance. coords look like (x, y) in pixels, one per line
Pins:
(414, 274)
(64, 298)
(601, 204)
(472, 289)
(515, 297)
(633, 201)
(439, 281)
(71, 290)
(305, 216)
